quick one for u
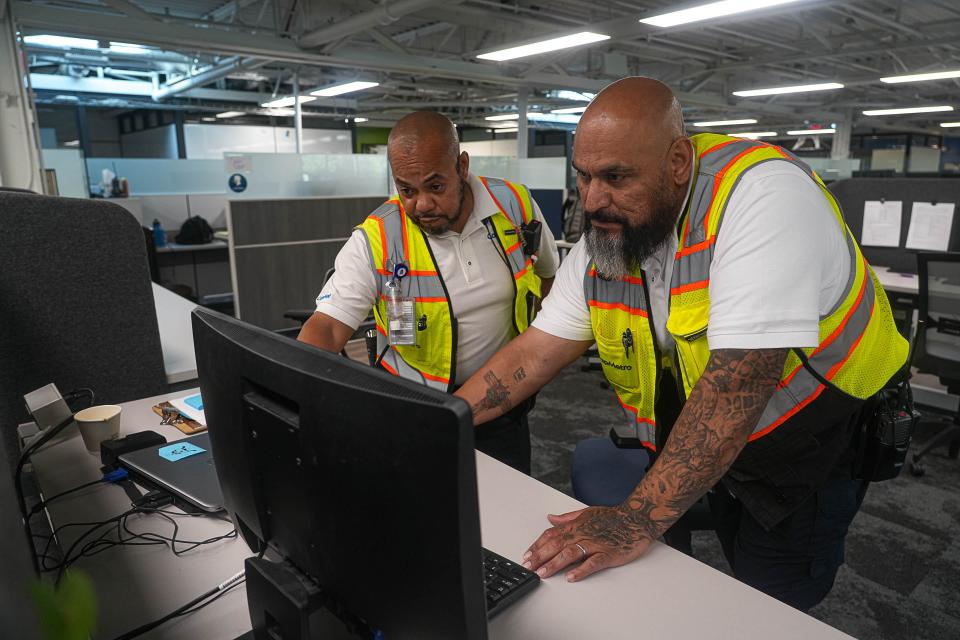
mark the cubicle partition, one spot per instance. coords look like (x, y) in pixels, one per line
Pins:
(885, 244)
(281, 249)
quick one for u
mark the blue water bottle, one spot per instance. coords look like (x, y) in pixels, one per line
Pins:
(159, 235)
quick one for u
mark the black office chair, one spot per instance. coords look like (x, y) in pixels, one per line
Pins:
(937, 349)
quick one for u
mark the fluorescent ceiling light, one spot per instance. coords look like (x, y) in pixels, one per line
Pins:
(895, 112)
(128, 48)
(285, 102)
(573, 110)
(724, 123)
(230, 114)
(367, 120)
(504, 130)
(504, 116)
(811, 132)
(554, 117)
(340, 89)
(62, 41)
(576, 96)
(800, 88)
(753, 135)
(280, 112)
(208, 119)
(553, 44)
(950, 124)
(709, 11)
(920, 77)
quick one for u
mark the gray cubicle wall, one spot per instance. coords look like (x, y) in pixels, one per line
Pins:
(853, 193)
(281, 249)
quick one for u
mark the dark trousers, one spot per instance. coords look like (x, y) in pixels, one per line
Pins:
(507, 439)
(797, 561)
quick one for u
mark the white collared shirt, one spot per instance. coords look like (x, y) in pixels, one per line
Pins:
(478, 281)
(779, 264)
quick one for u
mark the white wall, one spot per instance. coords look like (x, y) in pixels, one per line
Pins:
(923, 159)
(490, 148)
(211, 141)
(71, 172)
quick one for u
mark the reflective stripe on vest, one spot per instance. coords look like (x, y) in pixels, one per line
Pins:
(393, 238)
(859, 347)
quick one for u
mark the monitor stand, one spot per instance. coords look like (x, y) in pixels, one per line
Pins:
(286, 604)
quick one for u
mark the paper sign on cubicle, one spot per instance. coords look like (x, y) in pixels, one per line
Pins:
(930, 226)
(881, 223)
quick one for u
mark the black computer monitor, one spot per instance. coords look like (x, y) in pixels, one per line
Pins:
(363, 482)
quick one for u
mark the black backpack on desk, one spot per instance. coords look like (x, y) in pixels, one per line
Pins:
(195, 230)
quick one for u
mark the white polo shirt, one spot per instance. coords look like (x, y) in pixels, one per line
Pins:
(780, 263)
(478, 281)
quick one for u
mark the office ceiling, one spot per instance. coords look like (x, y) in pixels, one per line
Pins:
(424, 55)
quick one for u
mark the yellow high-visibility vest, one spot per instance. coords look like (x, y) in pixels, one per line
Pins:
(859, 350)
(395, 238)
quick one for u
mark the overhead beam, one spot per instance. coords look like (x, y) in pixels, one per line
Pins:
(208, 75)
(229, 10)
(388, 12)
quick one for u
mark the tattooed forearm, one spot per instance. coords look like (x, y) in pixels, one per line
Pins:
(718, 417)
(497, 393)
(519, 374)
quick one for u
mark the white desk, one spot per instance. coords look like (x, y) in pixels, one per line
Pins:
(897, 282)
(173, 247)
(176, 334)
(663, 595)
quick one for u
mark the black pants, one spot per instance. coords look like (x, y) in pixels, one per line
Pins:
(507, 439)
(797, 561)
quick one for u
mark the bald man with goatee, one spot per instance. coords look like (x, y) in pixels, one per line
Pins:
(466, 260)
(744, 335)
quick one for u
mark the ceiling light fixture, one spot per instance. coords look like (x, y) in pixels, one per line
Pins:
(504, 116)
(800, 88)
(340, 89)
(285, 102)
(724, 123)
(921, 77)
(569, 110)
(358, 120)
(504, 130)
(62, 41)
(753, 135)
(543, 46)
(231, 114)
(811, 132)
(897, 112)
(709, 11)
(950, 124)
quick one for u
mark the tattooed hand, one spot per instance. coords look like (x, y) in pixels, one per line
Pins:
(601, 537)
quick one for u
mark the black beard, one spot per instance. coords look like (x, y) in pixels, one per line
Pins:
(617, 254)
(453, 220)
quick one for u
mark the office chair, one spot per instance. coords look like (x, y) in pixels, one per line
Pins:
(937, 349)
(302, 315)
(78, 306)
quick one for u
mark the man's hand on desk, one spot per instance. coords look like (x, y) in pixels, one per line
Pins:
(603, 537)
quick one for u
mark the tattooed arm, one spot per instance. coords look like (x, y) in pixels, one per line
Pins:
(722, 411)
(517, 371)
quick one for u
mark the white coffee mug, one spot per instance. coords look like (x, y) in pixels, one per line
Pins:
(98, 424)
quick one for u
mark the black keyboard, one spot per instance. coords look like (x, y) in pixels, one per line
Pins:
(505, 582)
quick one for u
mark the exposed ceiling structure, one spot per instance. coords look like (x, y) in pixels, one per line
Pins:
(214, 56)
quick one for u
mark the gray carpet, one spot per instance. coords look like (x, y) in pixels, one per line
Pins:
(902, 573)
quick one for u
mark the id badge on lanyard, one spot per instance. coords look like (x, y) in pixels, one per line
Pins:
(401, 312)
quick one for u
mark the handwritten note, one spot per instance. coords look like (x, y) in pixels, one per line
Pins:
(178, 451)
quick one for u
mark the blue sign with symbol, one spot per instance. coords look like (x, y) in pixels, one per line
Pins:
(237, 183)
(179, 450)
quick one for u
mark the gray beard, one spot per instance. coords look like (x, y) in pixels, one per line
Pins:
(607, 251)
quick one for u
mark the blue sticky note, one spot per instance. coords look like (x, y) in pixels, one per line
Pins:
(194, 401)
(179, 451)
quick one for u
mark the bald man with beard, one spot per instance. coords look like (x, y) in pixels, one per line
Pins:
(454, 246)
(742, 331)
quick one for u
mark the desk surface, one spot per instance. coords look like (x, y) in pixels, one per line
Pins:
(897, 282)
(663, 595)
(176, 334)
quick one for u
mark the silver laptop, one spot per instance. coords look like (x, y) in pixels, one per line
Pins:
(182, 467)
